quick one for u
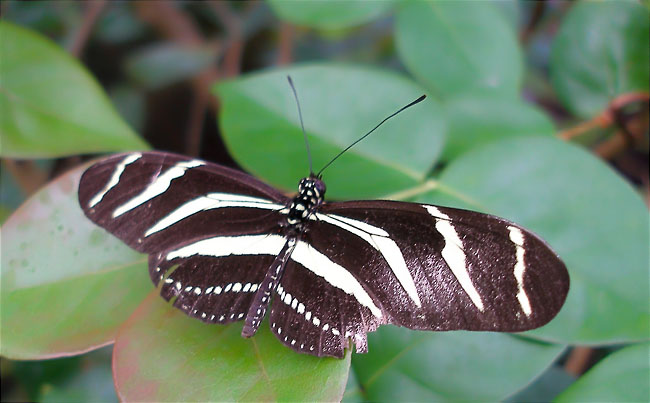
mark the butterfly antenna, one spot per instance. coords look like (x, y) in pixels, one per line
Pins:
(420, 99)
(304, 134)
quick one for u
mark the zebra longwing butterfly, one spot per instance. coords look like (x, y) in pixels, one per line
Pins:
(226, 246)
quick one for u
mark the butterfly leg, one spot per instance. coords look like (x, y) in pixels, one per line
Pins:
(260, 303)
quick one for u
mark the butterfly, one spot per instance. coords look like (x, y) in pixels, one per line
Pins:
(226, 247)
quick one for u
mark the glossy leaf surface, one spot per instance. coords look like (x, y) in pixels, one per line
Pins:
(600, 52)
(453, 48)
(588, 214)
(50, 105)
(333, 14)
(66, 284)
(405, 365)
(161, 354)
(339, 103)
(475, 121)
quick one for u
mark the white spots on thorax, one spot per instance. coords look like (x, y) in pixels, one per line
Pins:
(158, 186)
(454, 254)
(115, 178)
(517, 237)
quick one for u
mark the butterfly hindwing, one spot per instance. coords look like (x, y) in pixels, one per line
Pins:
(309, 315)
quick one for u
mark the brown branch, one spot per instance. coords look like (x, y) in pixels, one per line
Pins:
(93, 9)
(285, 47)
(578, 360)
(603, 120)
(533, 22)
(28, 176)
(196, 120)
(178, 27)
(231, 65)
(607, 117)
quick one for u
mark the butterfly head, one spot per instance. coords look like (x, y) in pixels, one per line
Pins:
(312, 187)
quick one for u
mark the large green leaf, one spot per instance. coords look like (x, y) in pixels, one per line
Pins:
(405, 365)
(162, 354)
(476, 120)
(590, 216)
(331, 14)
(455, 47)
(601, 51)
(340, 103)
(624, 376)
(50, 105)
(66, 284)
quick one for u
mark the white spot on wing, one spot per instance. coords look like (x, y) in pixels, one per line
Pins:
(115, 178)
(159, 185)
(517, 237)
(454, 254)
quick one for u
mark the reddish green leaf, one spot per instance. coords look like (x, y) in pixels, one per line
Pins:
(162, 354)
(67, 285)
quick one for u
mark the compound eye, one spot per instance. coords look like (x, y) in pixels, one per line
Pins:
(320, 187)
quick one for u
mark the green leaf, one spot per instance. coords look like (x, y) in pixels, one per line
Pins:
(623, 376)
(475, 121)
(50, 104)
(66, 283)
(590, 216)
(162, 354)
(452, 47)
(163, 64)
(406, 365)
(332, 14)
(600, 52)
(340, 103)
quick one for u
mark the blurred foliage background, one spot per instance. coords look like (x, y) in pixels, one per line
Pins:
(537, 111)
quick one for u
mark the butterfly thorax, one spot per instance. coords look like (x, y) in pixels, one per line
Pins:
(311, 191)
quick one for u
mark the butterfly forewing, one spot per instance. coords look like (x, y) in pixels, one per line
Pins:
(154, 200)
(464, 270)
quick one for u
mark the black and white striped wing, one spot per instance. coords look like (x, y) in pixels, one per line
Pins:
(362, 264)
(158, 203)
